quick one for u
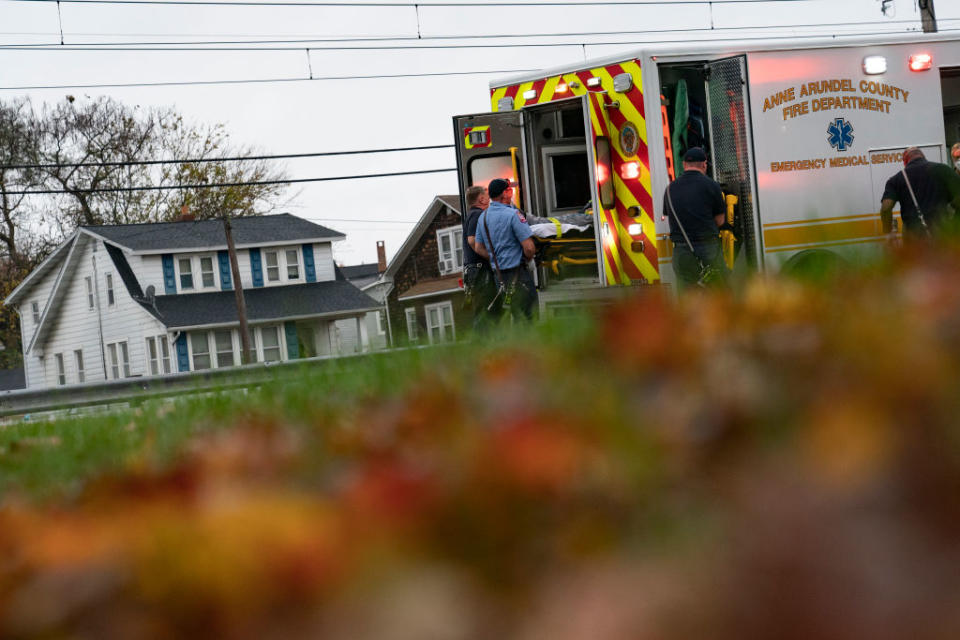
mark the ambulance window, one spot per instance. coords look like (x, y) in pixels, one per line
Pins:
(571, 123)
(569, 180)
(485, 168)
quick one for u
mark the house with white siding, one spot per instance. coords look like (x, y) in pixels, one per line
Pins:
(122, 301)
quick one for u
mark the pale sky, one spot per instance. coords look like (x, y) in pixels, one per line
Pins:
(321, 115)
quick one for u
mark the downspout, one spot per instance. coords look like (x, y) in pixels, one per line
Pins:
(96, 294)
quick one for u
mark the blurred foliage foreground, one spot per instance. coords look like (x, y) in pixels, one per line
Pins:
(783, 462)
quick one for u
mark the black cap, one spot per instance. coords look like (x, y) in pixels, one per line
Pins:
(497, 186)
(695, 154)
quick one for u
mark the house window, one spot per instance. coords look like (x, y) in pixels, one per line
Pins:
(381, 329)
(293, 264)
(61, 371)
(89, 282)
(270, 337)
(119, 359)
(282, 261)
(440, 322)
(114, 363)
(200, 346)
(81, 372)
(186, 273)
(272, 260)
(450, 249)
(207, 278)
(110, 298)
(158, 354)
(224, 342)
(412, 330)
(164, 353)
(35, 307)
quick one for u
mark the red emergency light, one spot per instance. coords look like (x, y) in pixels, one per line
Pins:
(630, 170)
(921, 62)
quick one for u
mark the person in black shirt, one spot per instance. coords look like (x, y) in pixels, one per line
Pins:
(931, 186)
(694, 204)
(478, 282)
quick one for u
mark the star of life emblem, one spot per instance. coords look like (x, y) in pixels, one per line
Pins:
(840, 134)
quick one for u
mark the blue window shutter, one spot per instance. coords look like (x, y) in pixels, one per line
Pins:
(308, 264)
(256, 268)
(293, 346)
(224, 259)
(183, 357)
(169, 277)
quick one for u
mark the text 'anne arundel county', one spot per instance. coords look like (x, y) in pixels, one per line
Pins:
(825, 95)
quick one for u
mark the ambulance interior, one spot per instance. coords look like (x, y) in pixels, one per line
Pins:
(559, 194)
(703, 104)
(684, 96)
(950, 89)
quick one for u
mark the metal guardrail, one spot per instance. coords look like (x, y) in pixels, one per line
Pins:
(139, 389)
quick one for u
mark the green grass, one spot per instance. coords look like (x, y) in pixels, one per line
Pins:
(57, 459)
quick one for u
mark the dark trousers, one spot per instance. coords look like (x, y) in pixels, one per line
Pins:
(480, 288)
(686, 263)
(519, 294)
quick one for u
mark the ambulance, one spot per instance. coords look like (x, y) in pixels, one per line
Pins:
(801, 135)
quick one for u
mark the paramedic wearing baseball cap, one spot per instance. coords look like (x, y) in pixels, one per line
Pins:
(694, 204)
(508, 244)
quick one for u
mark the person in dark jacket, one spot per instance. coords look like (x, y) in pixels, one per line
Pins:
(478, 282)
(928, 193)
(694, 205)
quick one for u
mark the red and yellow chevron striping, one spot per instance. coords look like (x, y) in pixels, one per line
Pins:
(622, 263)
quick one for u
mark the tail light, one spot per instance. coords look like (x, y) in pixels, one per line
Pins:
(630, 170)
(921, 62)
(604, 173)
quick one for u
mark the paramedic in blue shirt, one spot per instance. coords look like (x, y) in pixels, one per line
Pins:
(508, 244)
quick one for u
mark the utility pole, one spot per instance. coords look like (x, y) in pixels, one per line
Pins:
(928, 15)
(238, 293)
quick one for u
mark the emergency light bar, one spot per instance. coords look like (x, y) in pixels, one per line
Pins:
(921, 62)
(593, 82)
(530, 94)
(874, 65)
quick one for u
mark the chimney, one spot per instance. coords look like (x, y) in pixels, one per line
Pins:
(185, 215)
(381, 256)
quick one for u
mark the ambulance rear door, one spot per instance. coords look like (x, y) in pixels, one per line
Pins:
(490, 145)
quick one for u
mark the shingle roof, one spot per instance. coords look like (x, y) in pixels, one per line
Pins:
(209, 234)
(361, 271)
(11, 379)
(263, 304)
(437, 286)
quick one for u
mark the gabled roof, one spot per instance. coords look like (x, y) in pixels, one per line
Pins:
(200, 235)
(60, 286)
(41, 270)
(438, 202)
(264, 304)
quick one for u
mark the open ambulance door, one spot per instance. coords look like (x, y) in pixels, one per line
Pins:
(570, 172)
(490, 145)
(731, 151)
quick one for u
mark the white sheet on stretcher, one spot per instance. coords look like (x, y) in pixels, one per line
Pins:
(550, 230)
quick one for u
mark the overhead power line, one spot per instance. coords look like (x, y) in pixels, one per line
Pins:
(183, 83)
(118, 85)
(284, 156)
(411, 5)
(361, 44)
(220, 185)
